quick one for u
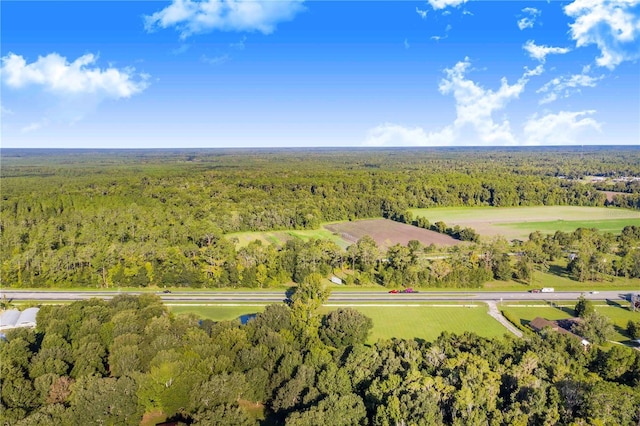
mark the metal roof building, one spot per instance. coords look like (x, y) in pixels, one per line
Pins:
(13, 318)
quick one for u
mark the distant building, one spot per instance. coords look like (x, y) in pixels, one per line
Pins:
(336, 280)
(13, 318)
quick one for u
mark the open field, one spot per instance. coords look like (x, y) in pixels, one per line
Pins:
(217, 313)
(387, 233)
(519, 222)
(617, 312)
(424, 321)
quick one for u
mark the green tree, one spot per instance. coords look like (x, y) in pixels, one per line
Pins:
(584, 307)
(633, 329)
(595, 327)
(345, 327)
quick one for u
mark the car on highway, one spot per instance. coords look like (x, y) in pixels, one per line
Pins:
(408, 290)
(534, 290)
(394, 291)
(166, 291)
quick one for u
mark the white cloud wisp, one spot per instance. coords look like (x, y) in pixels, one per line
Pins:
(474, 123)
(191, 17)
(612, 25)
(540, 52)
(563, 87)
(530, 20)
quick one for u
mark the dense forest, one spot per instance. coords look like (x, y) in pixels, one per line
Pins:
(158, 218)
(97, 362)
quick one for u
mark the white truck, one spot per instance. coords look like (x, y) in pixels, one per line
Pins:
(546, 290)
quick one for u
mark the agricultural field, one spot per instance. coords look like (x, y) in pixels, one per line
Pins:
(617, 312)
(387, 233)
(422, 321)
(519, 222)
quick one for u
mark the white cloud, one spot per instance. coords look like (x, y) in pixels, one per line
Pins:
(563, 128)
(562, 87)
(612, 25)
(475, 108)
(540, 52)
(422, 13)
(197, 17)
(441, 4)
(58, 76)
(60, 91)
(534, 72)
(530, 20)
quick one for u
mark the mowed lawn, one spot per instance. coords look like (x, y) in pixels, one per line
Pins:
(404, 322)
(617, 312)
(428, 322)
(519, 222)
(217, 313)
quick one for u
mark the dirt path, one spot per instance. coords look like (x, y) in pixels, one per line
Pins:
(494, 312)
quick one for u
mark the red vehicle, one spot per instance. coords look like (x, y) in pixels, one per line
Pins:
(394, 291)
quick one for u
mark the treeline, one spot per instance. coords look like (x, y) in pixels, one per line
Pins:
(214, 262)
(96, 362)
(85, 218)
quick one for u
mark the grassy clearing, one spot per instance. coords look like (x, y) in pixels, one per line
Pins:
(617, 312)
(404, 322)
(537, 213)
(519, 222)
(428, 322)
(217, 313)
(614, 226)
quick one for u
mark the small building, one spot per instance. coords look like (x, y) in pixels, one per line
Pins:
(336, 280)
(539, 324)
(13, 318)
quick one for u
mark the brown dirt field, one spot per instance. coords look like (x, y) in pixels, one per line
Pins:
(387, 233)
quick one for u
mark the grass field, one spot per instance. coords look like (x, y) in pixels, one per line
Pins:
(217, 313)
(428, 322)
(618, 313)
(519, 222)
(425, 321)
(609, 225)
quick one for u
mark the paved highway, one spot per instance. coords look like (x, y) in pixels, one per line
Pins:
(336, 296)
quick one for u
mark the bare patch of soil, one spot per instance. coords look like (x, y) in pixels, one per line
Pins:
(387, 233)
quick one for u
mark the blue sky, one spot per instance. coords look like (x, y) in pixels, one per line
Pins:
(228, 73)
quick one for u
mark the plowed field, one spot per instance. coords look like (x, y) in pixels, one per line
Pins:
(387, 233)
